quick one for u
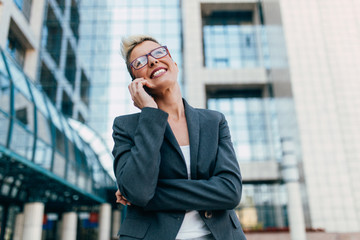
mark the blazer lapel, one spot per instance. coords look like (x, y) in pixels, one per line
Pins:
(192, 119)
(169, 135)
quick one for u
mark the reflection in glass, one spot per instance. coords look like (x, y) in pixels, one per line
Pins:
(232, 46)
(43, 128)
(4, 126)
(19, 80)
(82, 179)
(60, 141)
(71, 172)
(250, 130)
(263, 207)
(59, 165)
(39, 100)
(54, 115)
(24, 110)
(22, 135)
(4, 107)
(21, 141)
(3, 70)
(43, 154)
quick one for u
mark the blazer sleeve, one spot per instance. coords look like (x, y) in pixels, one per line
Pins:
(137, 157)
(219, 192)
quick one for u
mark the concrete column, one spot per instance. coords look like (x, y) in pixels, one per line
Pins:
(5, 16)
(290, 174)
(279, 216)
(295, 212)
(58, 228)
(19, 226)
(104, 221)
(33, 220)
(116, 222)
(69, 226)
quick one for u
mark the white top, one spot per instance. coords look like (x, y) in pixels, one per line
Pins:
(192, 226)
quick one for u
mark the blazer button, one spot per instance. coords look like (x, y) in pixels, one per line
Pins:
(208, 214)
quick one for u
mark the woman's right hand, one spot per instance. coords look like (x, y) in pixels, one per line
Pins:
(138, 94)
(121, 199)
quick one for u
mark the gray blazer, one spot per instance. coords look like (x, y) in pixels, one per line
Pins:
(151, 173)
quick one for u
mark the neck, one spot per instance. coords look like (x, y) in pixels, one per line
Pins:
(171, 102)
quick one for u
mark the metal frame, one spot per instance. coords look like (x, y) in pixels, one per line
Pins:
(36, 173)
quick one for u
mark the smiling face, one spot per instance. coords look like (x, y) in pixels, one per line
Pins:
(160, 73)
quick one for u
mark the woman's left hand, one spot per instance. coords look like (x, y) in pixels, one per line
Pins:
(121, 199)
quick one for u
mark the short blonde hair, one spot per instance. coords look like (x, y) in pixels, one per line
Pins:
(129, 43)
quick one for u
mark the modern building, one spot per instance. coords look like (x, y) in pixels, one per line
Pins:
(236, 63)
(284, 74)
(53, 180)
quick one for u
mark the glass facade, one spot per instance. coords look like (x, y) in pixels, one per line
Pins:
(35, 133)
(94, 51)
(235, 37)
(234, 46)
(232, 39)
(253, 124)
(263, 207)
(160, 19)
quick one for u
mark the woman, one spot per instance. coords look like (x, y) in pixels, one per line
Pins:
(175, 165)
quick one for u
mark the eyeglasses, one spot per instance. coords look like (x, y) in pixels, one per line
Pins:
(157, 53)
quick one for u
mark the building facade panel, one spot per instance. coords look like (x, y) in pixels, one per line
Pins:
(252, 88)
(323, 79)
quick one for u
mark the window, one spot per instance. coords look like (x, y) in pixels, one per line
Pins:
(70, 68)
(263, 207)
(4, 108)
(81, 118)
(61, 4)
(25, 7)
(66, 105)
(21, 115)
(84, 88)
(22, 138)
(48, 82)
(74, 19)
(249, 120)
(15, 48)
(52, 35)
(231, 35)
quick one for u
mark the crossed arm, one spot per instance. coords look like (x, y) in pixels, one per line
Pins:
(221, 191)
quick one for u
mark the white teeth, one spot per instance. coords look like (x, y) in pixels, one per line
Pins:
(158, 72)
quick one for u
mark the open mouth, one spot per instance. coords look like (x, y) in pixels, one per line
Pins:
(158, 72)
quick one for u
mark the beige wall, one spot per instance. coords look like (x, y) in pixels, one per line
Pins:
(29, 32)
(196, 75)
(320, 77)
(323, 43)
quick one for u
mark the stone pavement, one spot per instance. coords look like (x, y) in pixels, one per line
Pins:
(309, 236)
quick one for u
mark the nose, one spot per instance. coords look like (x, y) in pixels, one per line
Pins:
(152, 61)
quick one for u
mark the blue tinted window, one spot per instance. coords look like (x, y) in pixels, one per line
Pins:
(230, 42)
(3, 70)
(4, 127)
(43, 154)
(4, 94)
(39, 100)
(18, 79)
(248, 122)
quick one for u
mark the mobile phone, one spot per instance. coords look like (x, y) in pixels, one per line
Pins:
(147, 90)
